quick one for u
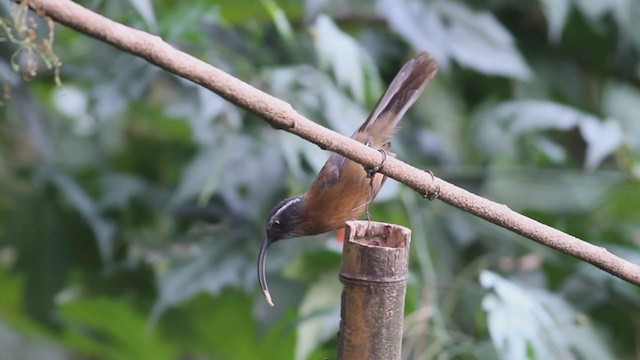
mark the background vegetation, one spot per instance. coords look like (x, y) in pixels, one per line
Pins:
(133, 202)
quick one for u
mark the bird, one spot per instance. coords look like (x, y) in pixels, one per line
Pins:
(343, 189)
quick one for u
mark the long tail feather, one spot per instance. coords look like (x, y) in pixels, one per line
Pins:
(403, 91)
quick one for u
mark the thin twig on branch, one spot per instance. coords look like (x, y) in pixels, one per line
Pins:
(280, 115)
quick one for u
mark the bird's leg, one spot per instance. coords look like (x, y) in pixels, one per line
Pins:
(373, 170)
(366, 211)
(370, 175)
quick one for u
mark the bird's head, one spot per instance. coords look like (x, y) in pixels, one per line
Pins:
(283, 223)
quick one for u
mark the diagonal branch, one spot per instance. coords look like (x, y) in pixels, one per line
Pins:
(280, 115)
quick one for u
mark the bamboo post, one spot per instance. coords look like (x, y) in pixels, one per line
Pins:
(374, 271)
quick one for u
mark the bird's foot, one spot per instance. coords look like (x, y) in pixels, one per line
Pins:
(432, 195)
(375, 169)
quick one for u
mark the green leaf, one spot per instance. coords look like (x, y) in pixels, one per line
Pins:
(352, 67)
(530, 323)
(312, 264)
(103, 229)
(320, 313)
(551, 191)
(12, 287)
(500, 127)
(145, 9)
(119, 190)
(622, 103)
(626, 13)
(203, 111)
(280, 20)
(239, 12)
(211, 266)
(224, 327)
(420, 25)
(595, 9)
(621, 205)
(112, 328)
(343, 114)
(239, 170)
(603, 139)
(556, 12)
(313, 92)
(446, 116)
(477, 40)
(450, 30)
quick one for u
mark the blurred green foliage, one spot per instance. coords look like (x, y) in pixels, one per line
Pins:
(133, 202)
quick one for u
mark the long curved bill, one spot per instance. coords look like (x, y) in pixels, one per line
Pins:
(262, 270)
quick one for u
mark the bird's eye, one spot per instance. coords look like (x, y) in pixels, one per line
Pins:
(276, 223)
